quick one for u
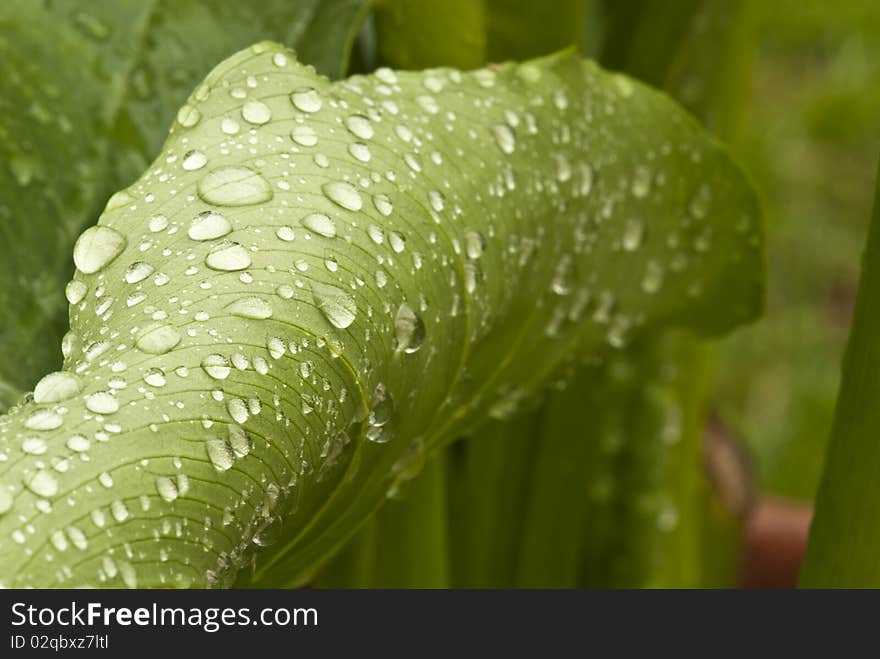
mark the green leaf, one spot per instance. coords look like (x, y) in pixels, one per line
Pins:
(415, 34)
(519, 30)
(845, 533)
(278, 324)
(128, 64)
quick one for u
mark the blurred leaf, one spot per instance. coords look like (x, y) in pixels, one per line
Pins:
(417, 34)
(842, 550)
(519, 30)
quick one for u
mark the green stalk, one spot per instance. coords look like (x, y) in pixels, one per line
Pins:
(845, 536)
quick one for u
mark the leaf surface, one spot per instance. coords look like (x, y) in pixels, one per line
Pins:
(275, 323)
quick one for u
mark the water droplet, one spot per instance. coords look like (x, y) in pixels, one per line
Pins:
(193, 160)
(632, 235)
(409, 330)
(59, 541)
(56, 387)
(237, 410)
(250, 307)
(102, 402)
(437, 200)
(504, 137)
(158, 339)
(229, 257)
(428, 104)
(208, 225)
(383, 204)
(285, 233)
(167, 488)
(96, 248)
(128, 574)
(360, 151)
(234, 186)
(306, 99)
(75, 291)
(188, 116)
(275, 346)
(256, 112)
(155, 377)
(382, 408)
(43, 483)
(220, 453)
(304, 135)
(397, 242)
(343, 194)
(653, 279)
(78, 443)
(240, 441)
(158, 223)
(216, 366)
(78, 538)
(34, 445)
(641, 183)
(359, 126)
(474, 244)
(43, 420)
(337, 306)
(230, 126)
(119, 511)
(320, 224)
(699, 204)
(138, 271)
(6, 500)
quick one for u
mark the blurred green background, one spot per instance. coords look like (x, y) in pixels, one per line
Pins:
(810, 139)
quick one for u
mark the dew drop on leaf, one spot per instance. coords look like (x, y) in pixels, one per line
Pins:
(320, 224)
(33, 445)
(208, 225)
(228, 257)
(343, 194)
(250, 307)
(155, 377)
(188, 116)
(96, 248)
(43, 420)
(167, 488)
(158, 339)
(216, 366)
(193, 160)
(75, 291)
(306, 99)
(256, 112)
(304, 135)
(56, 387)
(102, 402)
(504, 137)
(78, 443)
(359, 126)
(337, 306)
(137, 272)
(43, 483)
(220, 453)
(234, 186)
(237, 410)
(383, 204)
(409, 330)
(382, 408)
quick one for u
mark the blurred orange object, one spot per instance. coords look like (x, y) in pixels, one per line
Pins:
(775, 541)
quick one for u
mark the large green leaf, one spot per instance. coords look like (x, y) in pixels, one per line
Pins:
(87, 90)
(842, 551)
(316, 283)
